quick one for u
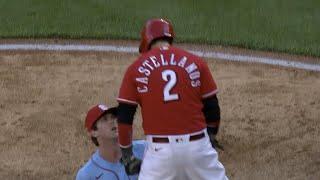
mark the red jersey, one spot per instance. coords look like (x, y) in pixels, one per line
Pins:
(169, 85)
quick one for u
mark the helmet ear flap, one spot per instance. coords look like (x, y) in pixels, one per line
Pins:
(155, 29)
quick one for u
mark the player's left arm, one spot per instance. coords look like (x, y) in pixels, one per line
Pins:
(209, 90)
(211, 108)
(211, 111)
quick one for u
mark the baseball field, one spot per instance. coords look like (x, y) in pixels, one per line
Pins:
(270, 125)
(270, 115)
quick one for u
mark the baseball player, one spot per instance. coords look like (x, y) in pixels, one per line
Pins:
(180, 110)
(104, 163)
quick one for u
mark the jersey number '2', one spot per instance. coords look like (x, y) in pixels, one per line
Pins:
(171, 78)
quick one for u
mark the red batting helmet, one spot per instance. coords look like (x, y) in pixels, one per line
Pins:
(155, 29)
(96, 113)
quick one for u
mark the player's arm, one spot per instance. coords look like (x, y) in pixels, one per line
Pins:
(211, 111)
(125, 118)
(210, 101)
(128, 102)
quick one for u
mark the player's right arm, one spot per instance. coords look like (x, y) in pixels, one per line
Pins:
(128, 102)
(125, 118)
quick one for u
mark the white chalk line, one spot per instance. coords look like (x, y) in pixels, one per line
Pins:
(127, 49)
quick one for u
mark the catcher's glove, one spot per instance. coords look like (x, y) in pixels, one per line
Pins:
(131, 163)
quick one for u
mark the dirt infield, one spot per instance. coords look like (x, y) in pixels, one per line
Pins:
(270, 116)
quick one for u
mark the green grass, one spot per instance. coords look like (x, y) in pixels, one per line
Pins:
(291, 26)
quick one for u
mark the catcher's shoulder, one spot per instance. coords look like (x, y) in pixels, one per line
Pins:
(139, 147)
(83, 172)
(139, 143)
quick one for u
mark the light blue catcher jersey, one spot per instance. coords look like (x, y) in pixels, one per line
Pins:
(99, 169)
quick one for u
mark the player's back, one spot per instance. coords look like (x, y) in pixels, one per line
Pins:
(170, 85)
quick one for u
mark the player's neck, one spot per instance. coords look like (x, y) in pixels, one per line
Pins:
(160, 44)
(110, 152)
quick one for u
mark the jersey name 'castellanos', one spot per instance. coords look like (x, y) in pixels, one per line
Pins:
(152, 63)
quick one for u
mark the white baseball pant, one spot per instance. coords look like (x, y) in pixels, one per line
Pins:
(181, 159)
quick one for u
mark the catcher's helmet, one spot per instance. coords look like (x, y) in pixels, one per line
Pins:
(155, 29)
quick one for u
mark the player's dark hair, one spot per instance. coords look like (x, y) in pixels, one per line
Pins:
(168, 39)
(94, 139)
(94, 126)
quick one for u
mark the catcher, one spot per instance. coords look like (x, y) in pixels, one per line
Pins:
(105, 162)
